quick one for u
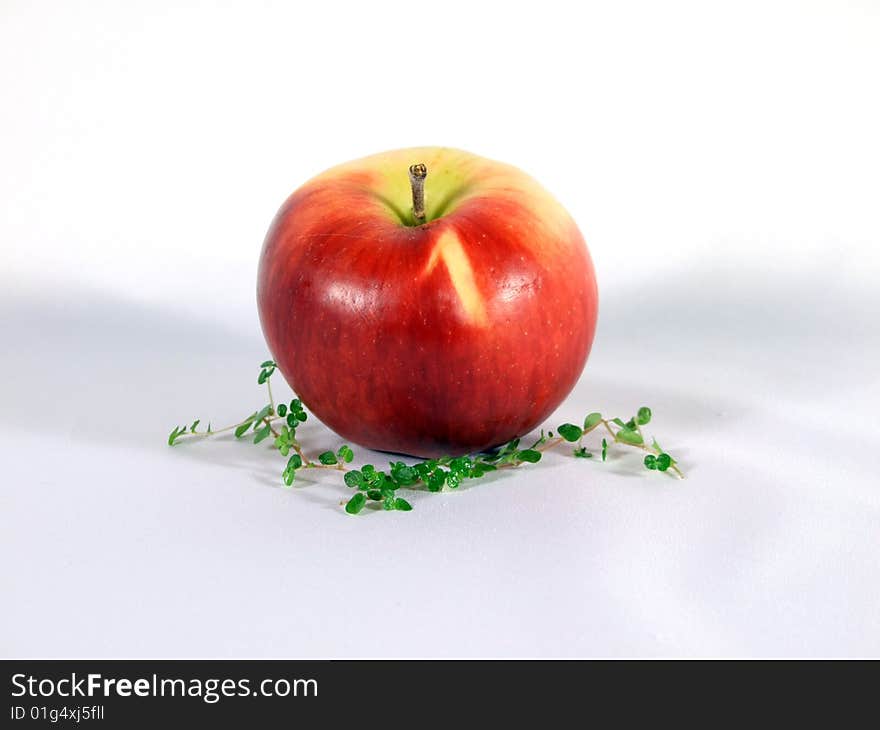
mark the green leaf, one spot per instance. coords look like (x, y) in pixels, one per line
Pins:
(282, 410)
(284, 449)
(591, 421)
(618, 422)
(570, 432)
(295, 462)
(644, 416)
(375, 495)
(651, 462)
(530, 455)
(345, 454)
(356, 503)
(604, 449)
(656, 446)
(292, 420)
(404, 475)
(436, 481)
(268, 364)
(288, 475)
(264, 412)
(664, 461)
(480, 468)
(327, 458)
(402, 505)
(453, 479)
(262, 377)
(582, 453)
(195, 423)
(628, 436)
(261, 434)
(173, 436)
(281, 440)
(461, 465)
(354, 479)
(242, 428)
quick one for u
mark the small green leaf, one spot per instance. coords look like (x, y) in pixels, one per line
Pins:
(618, 422)
(356, 503)
(281, 440)
(288, 475)
(404, 475)
(282, 410)
(604, 449)
(327, 458)
(628, 436)
(582, 453)
(664, 461)
(242, 428)
(651, 462)
(436, 481)
(264, 412)
(402, 505)
(172, 437)
(530, 455)
(262, 434)
(195, 423)
(591, 421)
(453, 479)
(262, 377)
(292, 420)
(481, 468)
(375, 495)
(295, 462)
(570, 432)
(354, 479)
(268, 364)
(345, 454)
(644, 416)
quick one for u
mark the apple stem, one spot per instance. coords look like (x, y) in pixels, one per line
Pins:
(417, 175)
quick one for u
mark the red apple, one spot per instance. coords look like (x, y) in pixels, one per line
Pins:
(444, 334)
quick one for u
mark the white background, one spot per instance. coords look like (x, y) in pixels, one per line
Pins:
(723, 162)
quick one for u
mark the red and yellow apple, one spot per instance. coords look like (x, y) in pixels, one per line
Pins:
(446, 334)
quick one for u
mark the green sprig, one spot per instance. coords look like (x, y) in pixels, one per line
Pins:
(433, 475)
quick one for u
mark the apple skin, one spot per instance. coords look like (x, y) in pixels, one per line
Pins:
(444, 338)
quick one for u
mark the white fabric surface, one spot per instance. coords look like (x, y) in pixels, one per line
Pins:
(734, 232)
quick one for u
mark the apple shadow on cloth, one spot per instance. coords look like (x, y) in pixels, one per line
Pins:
(98, 367)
